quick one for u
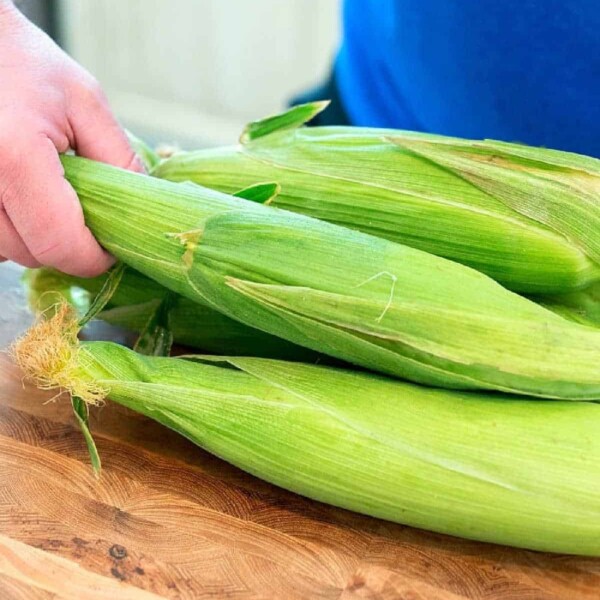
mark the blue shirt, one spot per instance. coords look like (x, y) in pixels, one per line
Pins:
(515, 70)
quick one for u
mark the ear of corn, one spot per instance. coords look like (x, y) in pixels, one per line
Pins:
(502, 470)
(137, 299)
(557, 189)
(527, 220)
(360, 298)
(208, 330)
(46, 287)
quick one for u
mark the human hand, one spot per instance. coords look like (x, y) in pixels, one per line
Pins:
(49, 104)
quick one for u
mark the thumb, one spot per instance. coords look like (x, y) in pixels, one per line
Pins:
(96, 132)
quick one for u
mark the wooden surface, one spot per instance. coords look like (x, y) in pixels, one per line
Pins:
(166, 520)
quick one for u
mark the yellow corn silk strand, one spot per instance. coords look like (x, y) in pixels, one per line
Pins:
(353, 296)
(485, 467)
(527, 217)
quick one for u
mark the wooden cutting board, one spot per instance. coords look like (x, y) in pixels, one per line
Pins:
(167, 520)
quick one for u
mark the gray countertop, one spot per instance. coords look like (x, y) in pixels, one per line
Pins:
(15, 317)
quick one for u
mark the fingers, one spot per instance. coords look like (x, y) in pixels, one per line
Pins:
(11, 245)
(97, 134)
(47, 217)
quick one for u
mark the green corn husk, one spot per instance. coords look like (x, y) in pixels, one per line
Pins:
(150, 159)
(46, 287)
(135, 302)
(356, 297)
(505, 470)
(527, 217)
(198, 326)
(581, 307)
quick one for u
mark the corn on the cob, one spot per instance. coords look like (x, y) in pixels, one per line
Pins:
(357, 297)
(506, 470)
(527, 217)
(138, 297)
(198, 326)
(203, 328)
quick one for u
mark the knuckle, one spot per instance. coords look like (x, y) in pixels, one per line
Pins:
(16, 251)
(49, 252)
(15, 169)
(52, 245)
(91, 92)
(11, 184)
(12, 152)
(18, 122)
(17, 144)
(70, 255)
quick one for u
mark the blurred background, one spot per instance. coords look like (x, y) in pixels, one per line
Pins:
(194, 72)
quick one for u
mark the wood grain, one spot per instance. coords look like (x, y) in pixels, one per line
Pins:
(167, 520)
(25, 568)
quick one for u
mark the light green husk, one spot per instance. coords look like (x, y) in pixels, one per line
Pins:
(356, 297)
(527, 217)
(135, 302)
(206, 329)
(150, 159)
(485, 467)
(582, 306)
